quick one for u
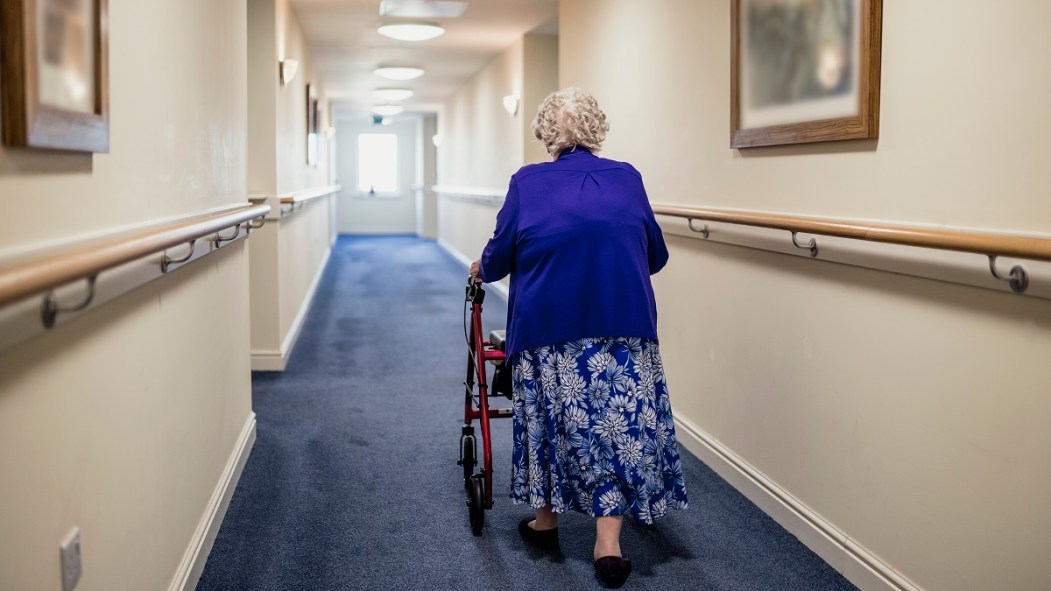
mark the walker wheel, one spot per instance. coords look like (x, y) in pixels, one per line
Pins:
(476, 504)
(467, 459)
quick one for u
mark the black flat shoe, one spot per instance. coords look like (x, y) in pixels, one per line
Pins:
(612, 570)
(544, 540)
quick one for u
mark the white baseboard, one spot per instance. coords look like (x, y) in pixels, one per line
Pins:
(850, 559)
(500, 287)
(271, 360)
(267, 360)
(193, 561)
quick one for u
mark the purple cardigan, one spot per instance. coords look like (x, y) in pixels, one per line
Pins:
(580, 242)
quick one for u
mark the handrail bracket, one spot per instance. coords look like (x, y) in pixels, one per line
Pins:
(167, 261)
(1018, 279)
(703, 231)
(812, 245)
(218, 238)
(50, 308)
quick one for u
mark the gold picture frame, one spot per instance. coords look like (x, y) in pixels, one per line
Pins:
(804, 71)
(54, 59)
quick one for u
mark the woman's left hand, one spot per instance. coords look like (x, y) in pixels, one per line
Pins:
(474, 271)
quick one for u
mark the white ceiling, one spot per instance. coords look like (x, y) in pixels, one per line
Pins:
(346, 48)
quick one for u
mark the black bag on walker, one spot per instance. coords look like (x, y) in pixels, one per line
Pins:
(502, 380)
(502, 376)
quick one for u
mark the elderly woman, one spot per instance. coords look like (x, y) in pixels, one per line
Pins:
(593, 427)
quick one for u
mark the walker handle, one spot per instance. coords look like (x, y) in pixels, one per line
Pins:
(474, 289)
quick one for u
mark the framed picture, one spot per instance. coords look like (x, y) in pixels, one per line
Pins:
(804, 71)
(54, 66)
(313, 125)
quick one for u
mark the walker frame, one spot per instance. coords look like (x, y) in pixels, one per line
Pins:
(479, 485)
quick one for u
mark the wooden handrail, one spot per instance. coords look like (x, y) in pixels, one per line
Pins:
(299, 197)
(481, 195)
(986, 243)
(36, 275)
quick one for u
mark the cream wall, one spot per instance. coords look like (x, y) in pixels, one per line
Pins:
(263, 79)
(293, 173)
(305, 245)
(540, 78)
(286, 260)
(906, 413)
(482, 146)
(426, 176)
(122, 421)
(481, 143)
(265, 281)
(464, 227)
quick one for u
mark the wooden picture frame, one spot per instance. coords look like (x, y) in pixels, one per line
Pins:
(54, 65)
(804, 72)
(313, 139)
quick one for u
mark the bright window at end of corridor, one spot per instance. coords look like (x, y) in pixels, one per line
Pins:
(377, 163)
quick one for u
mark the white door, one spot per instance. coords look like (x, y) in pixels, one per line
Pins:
(376, 165)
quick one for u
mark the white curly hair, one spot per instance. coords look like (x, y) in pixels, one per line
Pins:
(570, 117)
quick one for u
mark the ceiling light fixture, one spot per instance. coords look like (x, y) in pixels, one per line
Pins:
(423, 8)
(387, 110)
(392, 94)
(399, 73)
(410, 31)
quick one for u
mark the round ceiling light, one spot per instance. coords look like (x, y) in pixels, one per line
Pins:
(410, 31)
(387, 110)
(398, 72)
(392, 94)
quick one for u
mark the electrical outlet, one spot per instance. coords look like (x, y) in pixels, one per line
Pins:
(70, 553)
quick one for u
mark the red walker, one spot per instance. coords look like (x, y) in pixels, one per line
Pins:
(476, 406)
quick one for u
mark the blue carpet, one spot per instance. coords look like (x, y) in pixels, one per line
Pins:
(353, 483)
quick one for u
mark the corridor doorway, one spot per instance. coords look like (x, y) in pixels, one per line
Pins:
(376, 165)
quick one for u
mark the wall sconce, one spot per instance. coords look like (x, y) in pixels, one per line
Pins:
(436, 140)
(288, 69)
(511, 104)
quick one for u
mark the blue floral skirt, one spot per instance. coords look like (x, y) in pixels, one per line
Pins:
(593, 430)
